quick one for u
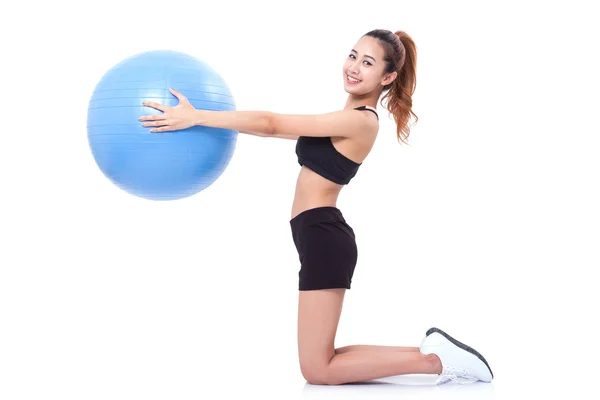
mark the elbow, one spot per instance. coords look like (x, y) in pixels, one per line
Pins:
(271, 124)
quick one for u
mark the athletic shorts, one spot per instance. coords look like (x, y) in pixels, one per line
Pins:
(326, 248)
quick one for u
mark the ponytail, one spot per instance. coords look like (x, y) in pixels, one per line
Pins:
(400, 91)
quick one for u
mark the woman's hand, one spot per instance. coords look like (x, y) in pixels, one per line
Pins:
(179, 117)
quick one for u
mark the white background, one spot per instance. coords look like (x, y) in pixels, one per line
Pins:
(486, 225)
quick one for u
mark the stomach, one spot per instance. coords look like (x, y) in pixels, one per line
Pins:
(312, 190)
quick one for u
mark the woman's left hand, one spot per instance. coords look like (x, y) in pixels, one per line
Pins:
(181, 116)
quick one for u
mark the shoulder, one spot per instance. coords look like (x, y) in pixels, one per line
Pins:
(366, 118)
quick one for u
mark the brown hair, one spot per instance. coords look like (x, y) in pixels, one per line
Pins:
(400, 56)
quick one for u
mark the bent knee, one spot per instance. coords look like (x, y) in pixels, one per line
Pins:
(316, 374)
(316, 377)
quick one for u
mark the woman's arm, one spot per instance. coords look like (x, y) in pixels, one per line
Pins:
(345, 123)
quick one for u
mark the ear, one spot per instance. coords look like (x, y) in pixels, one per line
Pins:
(389, 78)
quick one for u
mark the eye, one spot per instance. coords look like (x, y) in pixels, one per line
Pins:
(353, 57)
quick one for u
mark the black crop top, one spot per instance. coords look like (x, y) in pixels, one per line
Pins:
(319, 154)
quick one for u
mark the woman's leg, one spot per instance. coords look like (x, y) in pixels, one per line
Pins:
(375, 348)
(318, 317)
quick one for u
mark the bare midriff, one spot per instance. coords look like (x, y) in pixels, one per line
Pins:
(312, 190)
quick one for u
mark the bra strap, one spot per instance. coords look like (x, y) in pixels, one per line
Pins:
(368, 109)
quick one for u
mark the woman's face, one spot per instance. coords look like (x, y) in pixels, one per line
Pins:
(365, 63)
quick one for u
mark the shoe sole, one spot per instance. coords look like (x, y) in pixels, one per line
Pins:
(461, 345)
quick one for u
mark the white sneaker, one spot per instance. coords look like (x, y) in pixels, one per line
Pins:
(459, 361)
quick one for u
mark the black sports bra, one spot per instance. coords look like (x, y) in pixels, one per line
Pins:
(319, 154)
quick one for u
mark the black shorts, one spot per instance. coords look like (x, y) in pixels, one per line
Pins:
(326, 247)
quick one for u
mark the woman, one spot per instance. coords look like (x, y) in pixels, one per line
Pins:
(331, 147)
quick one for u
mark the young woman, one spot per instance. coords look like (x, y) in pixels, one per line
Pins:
(330, 148)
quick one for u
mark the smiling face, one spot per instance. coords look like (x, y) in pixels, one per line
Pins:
(364, 68)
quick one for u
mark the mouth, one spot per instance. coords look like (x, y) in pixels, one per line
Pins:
(351, 80)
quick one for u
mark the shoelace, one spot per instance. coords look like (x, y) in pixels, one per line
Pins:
(450, 374)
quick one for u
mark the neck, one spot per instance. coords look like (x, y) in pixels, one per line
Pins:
(354, 101)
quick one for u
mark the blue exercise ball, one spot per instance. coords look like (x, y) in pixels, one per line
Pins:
(159, 165)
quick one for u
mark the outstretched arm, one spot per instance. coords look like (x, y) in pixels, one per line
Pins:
(346, 123)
